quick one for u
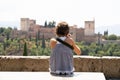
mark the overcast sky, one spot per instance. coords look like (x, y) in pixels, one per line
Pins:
(105, 12)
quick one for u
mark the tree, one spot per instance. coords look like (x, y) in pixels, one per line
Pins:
(2, 30)
(118, 38)
(45, 25)
(106, 33)
(7, 36)
(30, 37)
(112, 37)
(18, 41)
(4, 46)
(98, 38)
(51, 24)
(7, 32)
(105, 37)
(25, 50)
(43, 42)
(38, 35)
(37, 40)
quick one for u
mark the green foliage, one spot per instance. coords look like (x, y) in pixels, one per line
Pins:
(112, 37)
(105, 37)
(118, 38)
(30, 38)
(2, 30)
(51, 24)
(93, 49)
(5, 32)
(37, 47)
(4, 46)
(116, 53)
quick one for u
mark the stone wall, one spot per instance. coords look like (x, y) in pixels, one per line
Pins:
(110, 66)
(110, 41)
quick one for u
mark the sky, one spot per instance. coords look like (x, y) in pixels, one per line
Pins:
(75, 12)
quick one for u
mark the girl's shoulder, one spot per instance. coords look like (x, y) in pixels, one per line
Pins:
(53, 39)
(53, 42)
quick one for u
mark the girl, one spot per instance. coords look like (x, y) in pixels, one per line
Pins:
(61, 58)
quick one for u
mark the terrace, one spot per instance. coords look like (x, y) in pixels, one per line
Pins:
(87, 66)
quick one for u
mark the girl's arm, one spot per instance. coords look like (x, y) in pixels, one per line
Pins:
(76, 48)
(52, 43)
(71, 42)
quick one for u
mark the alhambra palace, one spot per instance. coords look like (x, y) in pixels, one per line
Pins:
(86, 67)
(86, 34)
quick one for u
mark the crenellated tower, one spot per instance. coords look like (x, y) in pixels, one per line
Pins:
(89, 28)
(25, 24)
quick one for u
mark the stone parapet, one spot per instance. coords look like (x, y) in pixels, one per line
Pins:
(110, 66)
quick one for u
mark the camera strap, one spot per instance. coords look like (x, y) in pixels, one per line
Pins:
(65, 43)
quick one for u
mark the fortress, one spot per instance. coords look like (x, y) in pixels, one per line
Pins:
(86, 34)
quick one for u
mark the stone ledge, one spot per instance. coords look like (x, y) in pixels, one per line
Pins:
(110, 66)
(48, 76)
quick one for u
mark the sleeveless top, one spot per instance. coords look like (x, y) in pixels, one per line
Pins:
(61, 59)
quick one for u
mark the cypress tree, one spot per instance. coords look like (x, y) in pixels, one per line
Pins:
(7, 36)
(98, 38)
(37, 40)
(38, 35)
(19, 44)
(30, 37)
(25, 50)
(45, 25)
(4, 46)
(43, 42)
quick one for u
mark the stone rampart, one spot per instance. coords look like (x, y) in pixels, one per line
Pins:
(110, 66)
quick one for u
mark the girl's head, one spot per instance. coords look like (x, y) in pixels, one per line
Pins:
(62, 29)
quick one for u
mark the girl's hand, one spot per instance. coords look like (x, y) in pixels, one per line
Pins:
(69, 35)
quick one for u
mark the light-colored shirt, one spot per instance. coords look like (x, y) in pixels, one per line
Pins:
(61, 59)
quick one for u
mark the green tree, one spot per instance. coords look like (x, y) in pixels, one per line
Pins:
(37, 40)
(106, 33)
(7, 31)
(99, 38)
(19, 47)
(45, 25)
(30, 37)
(38, 35)
(112, 37)
(51, 24)
(4, 46)
(105, 37)
(25, 50)
(2, 30)
(43, 42)
(118, 38)
(7, 36)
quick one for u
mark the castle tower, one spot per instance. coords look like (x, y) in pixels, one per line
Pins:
(25, 24)
(89, 28)
(32, 23)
